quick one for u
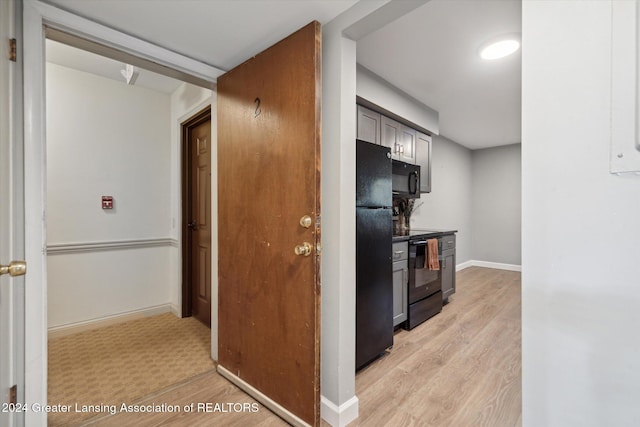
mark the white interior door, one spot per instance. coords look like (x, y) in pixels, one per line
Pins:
(11, 236)
(6, 367)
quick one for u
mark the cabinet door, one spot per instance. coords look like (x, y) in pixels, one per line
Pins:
(368, 125)
(400, 279)
(423, 159)
(391, 135)
(448, 273)
(407, 145)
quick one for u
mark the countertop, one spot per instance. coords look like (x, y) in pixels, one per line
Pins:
(420, 233)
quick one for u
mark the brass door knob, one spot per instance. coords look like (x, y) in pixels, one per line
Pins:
(15, 268)
(303, 249)
(305, 221)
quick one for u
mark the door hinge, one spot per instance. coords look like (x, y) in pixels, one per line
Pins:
(13, 50)
(13, 394)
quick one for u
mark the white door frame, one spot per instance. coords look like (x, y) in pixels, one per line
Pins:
(36, 16)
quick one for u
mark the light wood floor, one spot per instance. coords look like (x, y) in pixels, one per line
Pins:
(460, 368)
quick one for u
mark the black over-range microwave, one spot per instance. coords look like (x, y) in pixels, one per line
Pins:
(405, 180)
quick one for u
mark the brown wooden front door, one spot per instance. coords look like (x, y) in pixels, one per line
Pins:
(268, 179)
(197, 228)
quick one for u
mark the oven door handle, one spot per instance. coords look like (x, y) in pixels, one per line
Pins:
(418, 242)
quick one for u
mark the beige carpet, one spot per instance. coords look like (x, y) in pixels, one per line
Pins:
(124, 362)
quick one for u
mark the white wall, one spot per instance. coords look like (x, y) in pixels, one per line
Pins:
(476, 192)
(448, 206)
(106, 138)
(581, 275)
(378, 91)
(87, 286)
(495, 208)
(339, 403)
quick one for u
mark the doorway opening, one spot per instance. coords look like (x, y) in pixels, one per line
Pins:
(115, 327)
(196, 217)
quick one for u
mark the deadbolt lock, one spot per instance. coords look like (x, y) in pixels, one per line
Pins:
(15, 268)
(305, 221)
(303, 249)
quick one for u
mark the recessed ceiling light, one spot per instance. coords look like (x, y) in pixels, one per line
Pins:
(500, 47)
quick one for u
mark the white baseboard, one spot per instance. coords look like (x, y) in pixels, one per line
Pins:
(87, 325)
(488, 264)
(339, 416)
(177, 311)
(464, 265)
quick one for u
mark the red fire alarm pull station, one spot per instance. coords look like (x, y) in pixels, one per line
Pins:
(107, 202)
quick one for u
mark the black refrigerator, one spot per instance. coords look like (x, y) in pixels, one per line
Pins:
(374, 229)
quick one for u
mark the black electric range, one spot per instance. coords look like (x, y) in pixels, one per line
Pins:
(425, 297)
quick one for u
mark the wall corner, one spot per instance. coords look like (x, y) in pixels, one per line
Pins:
(339, 416)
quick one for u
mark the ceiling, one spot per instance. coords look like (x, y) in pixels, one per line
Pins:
(71, 57)
(221, 33)
(430, 53)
